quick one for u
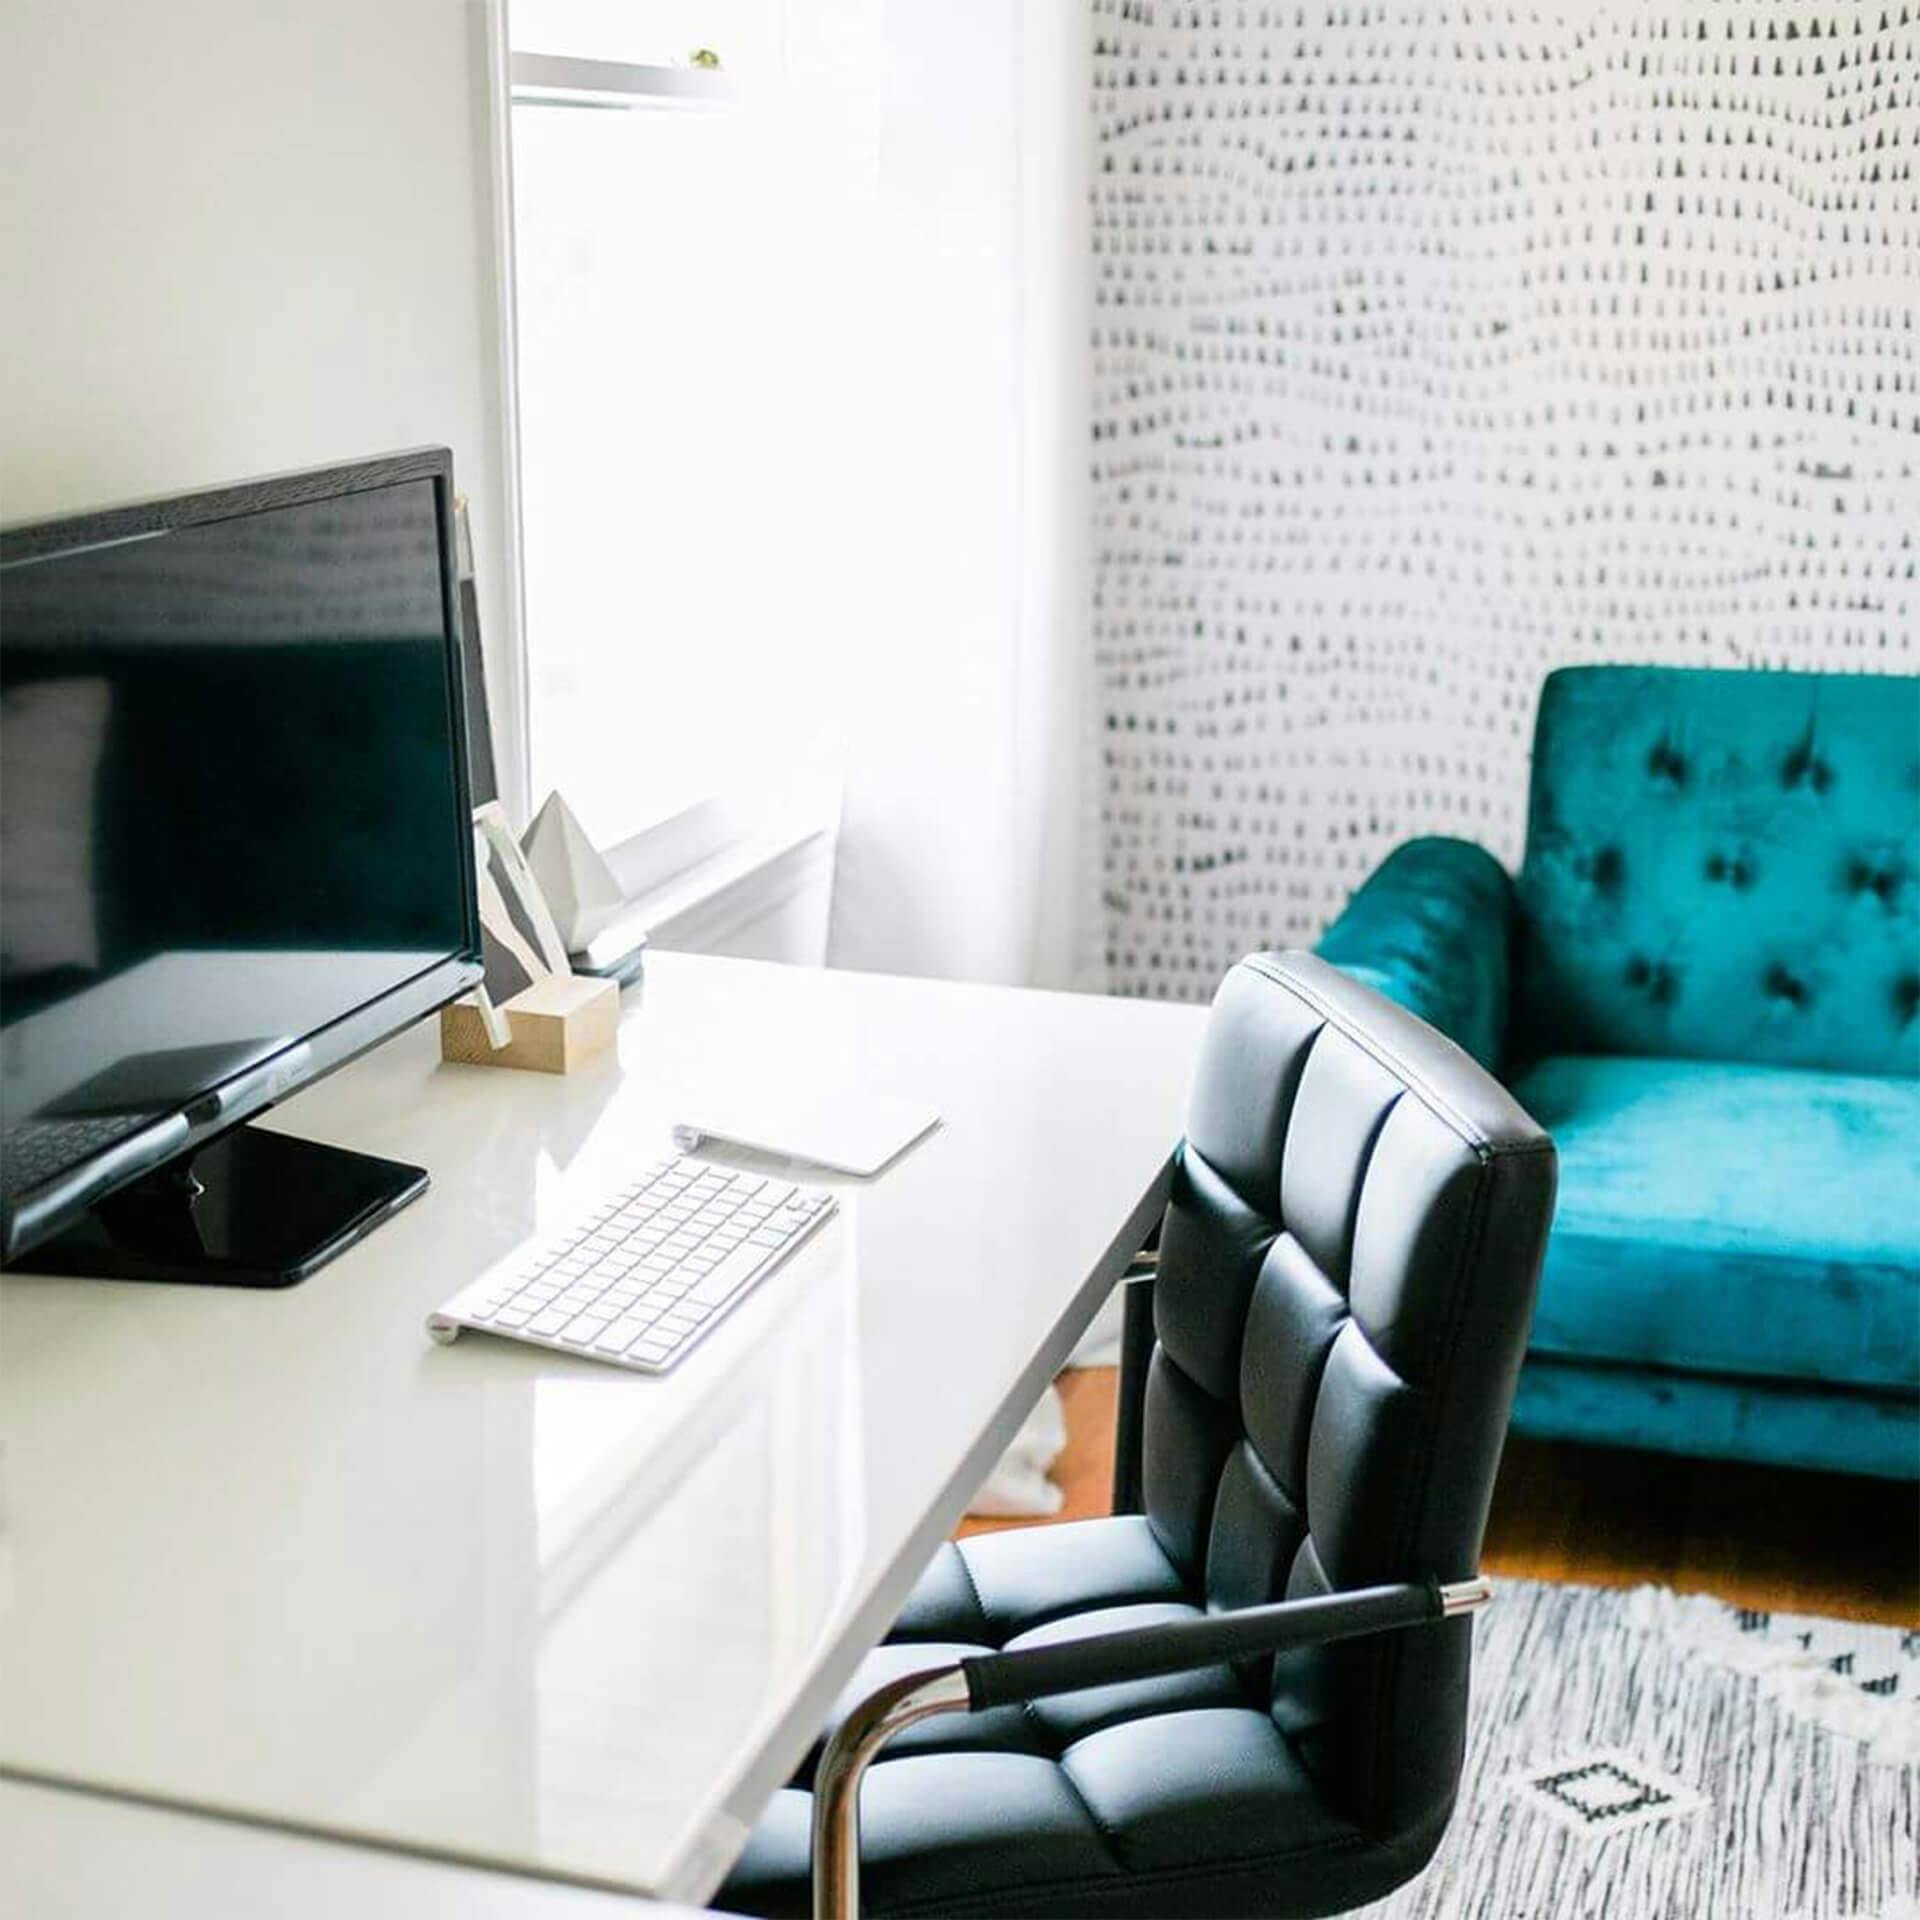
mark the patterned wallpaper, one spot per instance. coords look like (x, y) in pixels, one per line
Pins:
(1439, 345)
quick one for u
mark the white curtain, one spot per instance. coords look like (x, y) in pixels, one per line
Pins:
(968, 842)
(967, 847)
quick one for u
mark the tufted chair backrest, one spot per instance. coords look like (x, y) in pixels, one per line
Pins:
(1347, 1270)
(1725, 866)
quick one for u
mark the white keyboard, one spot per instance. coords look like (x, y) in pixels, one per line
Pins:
(640, 1279)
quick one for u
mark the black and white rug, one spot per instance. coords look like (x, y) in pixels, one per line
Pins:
(1648, 1756)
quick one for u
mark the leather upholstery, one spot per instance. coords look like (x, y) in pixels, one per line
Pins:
(1346, 1272)
(1712, 957)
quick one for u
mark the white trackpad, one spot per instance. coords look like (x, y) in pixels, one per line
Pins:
(843, 1130)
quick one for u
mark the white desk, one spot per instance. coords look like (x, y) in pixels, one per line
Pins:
(280, 1555)
(67, 1854)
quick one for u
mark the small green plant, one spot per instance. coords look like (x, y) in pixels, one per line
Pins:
(705, 57)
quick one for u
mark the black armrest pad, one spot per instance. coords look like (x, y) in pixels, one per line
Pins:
(1104, 1659)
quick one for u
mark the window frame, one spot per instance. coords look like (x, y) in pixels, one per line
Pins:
(731, 836)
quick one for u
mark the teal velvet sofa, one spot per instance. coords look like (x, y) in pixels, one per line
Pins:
(1705, 983)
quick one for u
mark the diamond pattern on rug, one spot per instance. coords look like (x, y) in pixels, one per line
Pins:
(1603, 1792)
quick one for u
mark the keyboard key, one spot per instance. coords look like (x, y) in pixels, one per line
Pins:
(714, 1287)
(620, 1335)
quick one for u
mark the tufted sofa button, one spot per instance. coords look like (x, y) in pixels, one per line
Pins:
(1667, 763)
(1655, 978)
(1784, 985)
(1865, 875)
(1605, 869)
(1803, 767)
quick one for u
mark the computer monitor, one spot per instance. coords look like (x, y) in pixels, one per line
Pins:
(236, 850)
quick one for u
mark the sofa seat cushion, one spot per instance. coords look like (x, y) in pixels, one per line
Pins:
(1726, 1219)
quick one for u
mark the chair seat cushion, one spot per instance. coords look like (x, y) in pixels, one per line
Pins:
(997, 1585)
(1734, 1220)
(1207, 1812)
(1173, 1796)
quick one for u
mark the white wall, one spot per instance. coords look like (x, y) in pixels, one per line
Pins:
(237, 237)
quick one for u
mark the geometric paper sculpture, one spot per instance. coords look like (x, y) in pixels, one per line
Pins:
(578, 884)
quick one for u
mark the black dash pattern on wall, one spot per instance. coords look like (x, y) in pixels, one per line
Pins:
(1436, 346)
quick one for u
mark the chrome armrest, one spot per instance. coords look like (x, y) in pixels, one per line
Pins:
(836, 1781)
(1103, 1659)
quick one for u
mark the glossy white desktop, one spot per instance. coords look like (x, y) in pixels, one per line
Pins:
(279, 1554)
(72, 1855)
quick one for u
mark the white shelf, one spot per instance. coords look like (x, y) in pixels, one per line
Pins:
(561, 80)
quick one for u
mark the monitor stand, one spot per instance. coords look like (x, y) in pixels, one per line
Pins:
(250, 1209)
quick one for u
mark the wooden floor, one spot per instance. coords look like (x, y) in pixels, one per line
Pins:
(1758, 1536)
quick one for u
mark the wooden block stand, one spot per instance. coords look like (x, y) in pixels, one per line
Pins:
(557, 1023)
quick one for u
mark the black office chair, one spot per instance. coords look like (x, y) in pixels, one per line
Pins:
(1246, 1693)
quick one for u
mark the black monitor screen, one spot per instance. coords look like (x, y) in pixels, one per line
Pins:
(232, 806)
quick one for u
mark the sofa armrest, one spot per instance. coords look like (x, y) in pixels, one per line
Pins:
(1432, 928)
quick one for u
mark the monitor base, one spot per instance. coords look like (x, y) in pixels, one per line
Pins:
(250, 1209)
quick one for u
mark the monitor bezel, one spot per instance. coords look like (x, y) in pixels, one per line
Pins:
(45, 1210)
